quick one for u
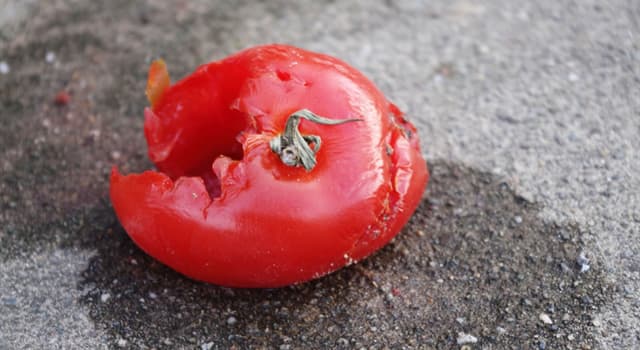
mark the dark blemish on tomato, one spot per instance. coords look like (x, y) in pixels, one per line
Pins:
(282, 75)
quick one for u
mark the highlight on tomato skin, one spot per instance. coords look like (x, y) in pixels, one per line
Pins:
(227, 208)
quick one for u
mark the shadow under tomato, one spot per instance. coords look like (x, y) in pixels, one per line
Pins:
(475, 258)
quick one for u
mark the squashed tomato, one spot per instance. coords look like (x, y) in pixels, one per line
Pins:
(275, 166)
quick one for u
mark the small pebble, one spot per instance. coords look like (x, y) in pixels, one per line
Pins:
(231, 321)
(4, 67)
(565, 268)
(104, 297)
(50, 57)
(206, 346)
(115, 155)
(542, 345)
(9, 301)
(518, 219)
(153, 295)
(583, 262)
(545, 318)
(464, 338)
(501, 331)
(460, 320)
(122, 343)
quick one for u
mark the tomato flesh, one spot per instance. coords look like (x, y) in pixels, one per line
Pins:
(224, 209)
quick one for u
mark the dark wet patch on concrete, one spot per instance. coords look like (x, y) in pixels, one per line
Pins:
(475, 259)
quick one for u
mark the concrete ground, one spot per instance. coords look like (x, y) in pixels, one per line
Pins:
(529, 114)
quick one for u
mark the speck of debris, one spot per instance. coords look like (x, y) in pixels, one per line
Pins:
(583, 262)
(464, 338)
(542, 345)
(122, 342)
(50, 57)
(231, 320)
(206, 346)
(104, 297)
(9, 301)
(4, 67)
(545, 318)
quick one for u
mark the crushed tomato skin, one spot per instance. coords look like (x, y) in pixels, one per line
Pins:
(269, 225)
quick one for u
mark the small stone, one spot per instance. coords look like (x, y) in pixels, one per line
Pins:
(206, 346)
(9, 301)
(50, 57)
(583, 262)
(153, 295)
(501, 331)
(122, 343)
(551, 309)
(545, 318)
(4, 67)
(104, 297)
(231, 321)
(596, 323)
(566, 318)
(460, 320)
(464, 338)
(542, 345)
(518, 219)
(343, 342)
(571, 337)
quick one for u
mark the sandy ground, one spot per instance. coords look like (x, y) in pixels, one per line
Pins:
(527, 237)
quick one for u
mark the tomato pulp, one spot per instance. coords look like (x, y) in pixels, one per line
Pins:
(224, 207)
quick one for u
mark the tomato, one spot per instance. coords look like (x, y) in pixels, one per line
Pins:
(275, 166)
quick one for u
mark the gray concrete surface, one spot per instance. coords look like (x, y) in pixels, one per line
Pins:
(529, 114)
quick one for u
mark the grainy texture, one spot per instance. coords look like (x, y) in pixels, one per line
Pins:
(528, 112)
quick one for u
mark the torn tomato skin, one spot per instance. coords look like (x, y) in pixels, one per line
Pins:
(269, 225)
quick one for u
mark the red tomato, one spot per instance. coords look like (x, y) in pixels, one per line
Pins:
(226, 209)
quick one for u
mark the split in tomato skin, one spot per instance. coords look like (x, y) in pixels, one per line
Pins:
(224, 209)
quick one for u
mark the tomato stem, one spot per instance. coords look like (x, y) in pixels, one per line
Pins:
(293, 147)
